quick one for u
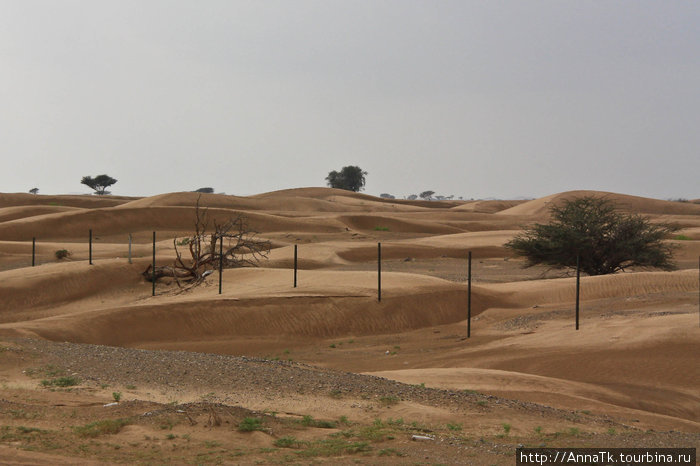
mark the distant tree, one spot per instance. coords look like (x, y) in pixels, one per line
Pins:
(34, 191)
(99, 183)
(351, 178)
(605, 240)
(205, 190)
(412, 197)
(387, 196)
(427, 195)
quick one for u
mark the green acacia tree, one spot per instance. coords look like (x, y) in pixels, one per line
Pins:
(605, 240)
(351, 178)
(99, 183)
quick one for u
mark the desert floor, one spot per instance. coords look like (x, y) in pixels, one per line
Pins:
(324, 372)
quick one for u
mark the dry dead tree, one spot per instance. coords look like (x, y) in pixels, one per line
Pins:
(232, 243)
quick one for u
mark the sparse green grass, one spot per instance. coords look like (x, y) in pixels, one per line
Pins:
(538, 430)
(574, 431)
(376, 432)
(211, 443)
(130, 387)
(29, 430)
(454, 427)
(390, 452)
(612, 431)
(381, 228)
(388, 400)
(334, 446)
(117, 396)
(22, 414)
(482, 403)
(60, 382)
(336, 393)
(168, 424)
(309, 421)
(171, 437)
(48, 370)
(250, 424)
(506, 428)
(289, 442)
(682, 238)
(97, 428)
(332, 345)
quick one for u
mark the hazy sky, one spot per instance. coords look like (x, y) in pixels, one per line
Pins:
(470, 98)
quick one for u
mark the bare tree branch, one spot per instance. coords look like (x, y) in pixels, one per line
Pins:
(239, 244)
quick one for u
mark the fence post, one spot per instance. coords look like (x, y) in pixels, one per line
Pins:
(295, 265)
(469, 295)
(129, 248)
(33, 251)
(153, 268)
(379, 271)
(90, 248)
(578, 287)
(221, 261)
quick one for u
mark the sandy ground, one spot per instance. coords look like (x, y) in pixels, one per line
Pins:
(324, 372)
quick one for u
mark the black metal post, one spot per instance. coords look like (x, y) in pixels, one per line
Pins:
(33, 251)
(295, 265)
(469, 295)
(129, 248)
(90, 248)
(379, 271)
(698, 291)
(221, 262)
(578, 288)
(153, 268)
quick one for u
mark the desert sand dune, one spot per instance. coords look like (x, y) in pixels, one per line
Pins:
(17, 212)
(573, 395)
(634, 360)
(52, 285)
(75, 225)
(347, 197)
(489, 207)
(540, 207)
(83, 202)
(563, 290)
(378, 222)
(271, 203)
(256, 302)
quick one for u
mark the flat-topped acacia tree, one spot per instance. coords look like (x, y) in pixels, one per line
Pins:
(603, 240)
(99, 183)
